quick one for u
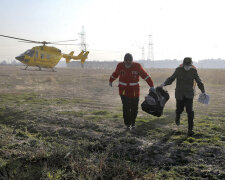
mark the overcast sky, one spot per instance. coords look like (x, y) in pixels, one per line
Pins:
(179, 28)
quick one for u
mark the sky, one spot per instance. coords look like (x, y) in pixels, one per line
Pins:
(178, 28)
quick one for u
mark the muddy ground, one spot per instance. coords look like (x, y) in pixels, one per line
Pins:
(68, 125)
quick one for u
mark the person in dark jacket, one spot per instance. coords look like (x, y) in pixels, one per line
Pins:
(185, 76)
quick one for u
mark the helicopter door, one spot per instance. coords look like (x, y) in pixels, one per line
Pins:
(42, 56)
(36, 56)
(48, 56)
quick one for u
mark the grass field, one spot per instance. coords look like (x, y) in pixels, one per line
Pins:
(68, 125)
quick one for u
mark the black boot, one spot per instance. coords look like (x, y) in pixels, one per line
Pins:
(190, 123)
(128, 127)
(190, 133)
(177, 120)
(133, 126)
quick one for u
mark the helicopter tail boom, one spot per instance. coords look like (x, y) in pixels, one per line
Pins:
(82, 56)
(71, 53)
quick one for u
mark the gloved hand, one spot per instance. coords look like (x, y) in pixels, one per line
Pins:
(204, 94)
(152, 89)
(161, 85)
(110, 84)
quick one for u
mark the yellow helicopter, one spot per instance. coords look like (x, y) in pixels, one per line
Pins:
(46, 56)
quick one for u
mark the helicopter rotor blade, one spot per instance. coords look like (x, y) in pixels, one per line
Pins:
(27, 40)
(64, 41)
(65, 44)
(39, 42)
(36, 42)
(48, 43)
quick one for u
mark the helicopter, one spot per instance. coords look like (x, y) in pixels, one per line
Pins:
(46, 56)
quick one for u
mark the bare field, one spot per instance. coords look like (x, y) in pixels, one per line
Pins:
(68, 125)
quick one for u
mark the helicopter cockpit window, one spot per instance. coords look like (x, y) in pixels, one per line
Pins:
(29, 52)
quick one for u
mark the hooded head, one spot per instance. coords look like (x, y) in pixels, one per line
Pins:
(187, 63)
(128, 60)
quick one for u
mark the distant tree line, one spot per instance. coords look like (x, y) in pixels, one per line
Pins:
(207, 63)
(14, 62)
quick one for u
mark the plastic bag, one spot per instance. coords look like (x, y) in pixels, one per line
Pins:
(155, 101)
(203, 98)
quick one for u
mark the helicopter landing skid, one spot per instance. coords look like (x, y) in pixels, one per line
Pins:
(26, 68)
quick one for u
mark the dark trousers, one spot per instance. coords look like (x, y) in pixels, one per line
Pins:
(188, 103)
(130, 110)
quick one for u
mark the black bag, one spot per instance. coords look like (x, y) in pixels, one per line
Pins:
(155, 101)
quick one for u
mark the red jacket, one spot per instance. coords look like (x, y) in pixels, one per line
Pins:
(129, 78)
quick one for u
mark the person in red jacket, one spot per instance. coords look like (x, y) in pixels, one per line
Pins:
(129, 89)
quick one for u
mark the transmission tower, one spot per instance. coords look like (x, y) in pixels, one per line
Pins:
(83, 45)
(143, 52)
(150, 49)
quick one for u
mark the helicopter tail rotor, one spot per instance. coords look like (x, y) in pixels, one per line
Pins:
(84, 57)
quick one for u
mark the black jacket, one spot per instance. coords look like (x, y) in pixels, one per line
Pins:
(185, 81)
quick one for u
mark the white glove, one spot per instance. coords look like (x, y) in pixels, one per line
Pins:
(110, 84)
